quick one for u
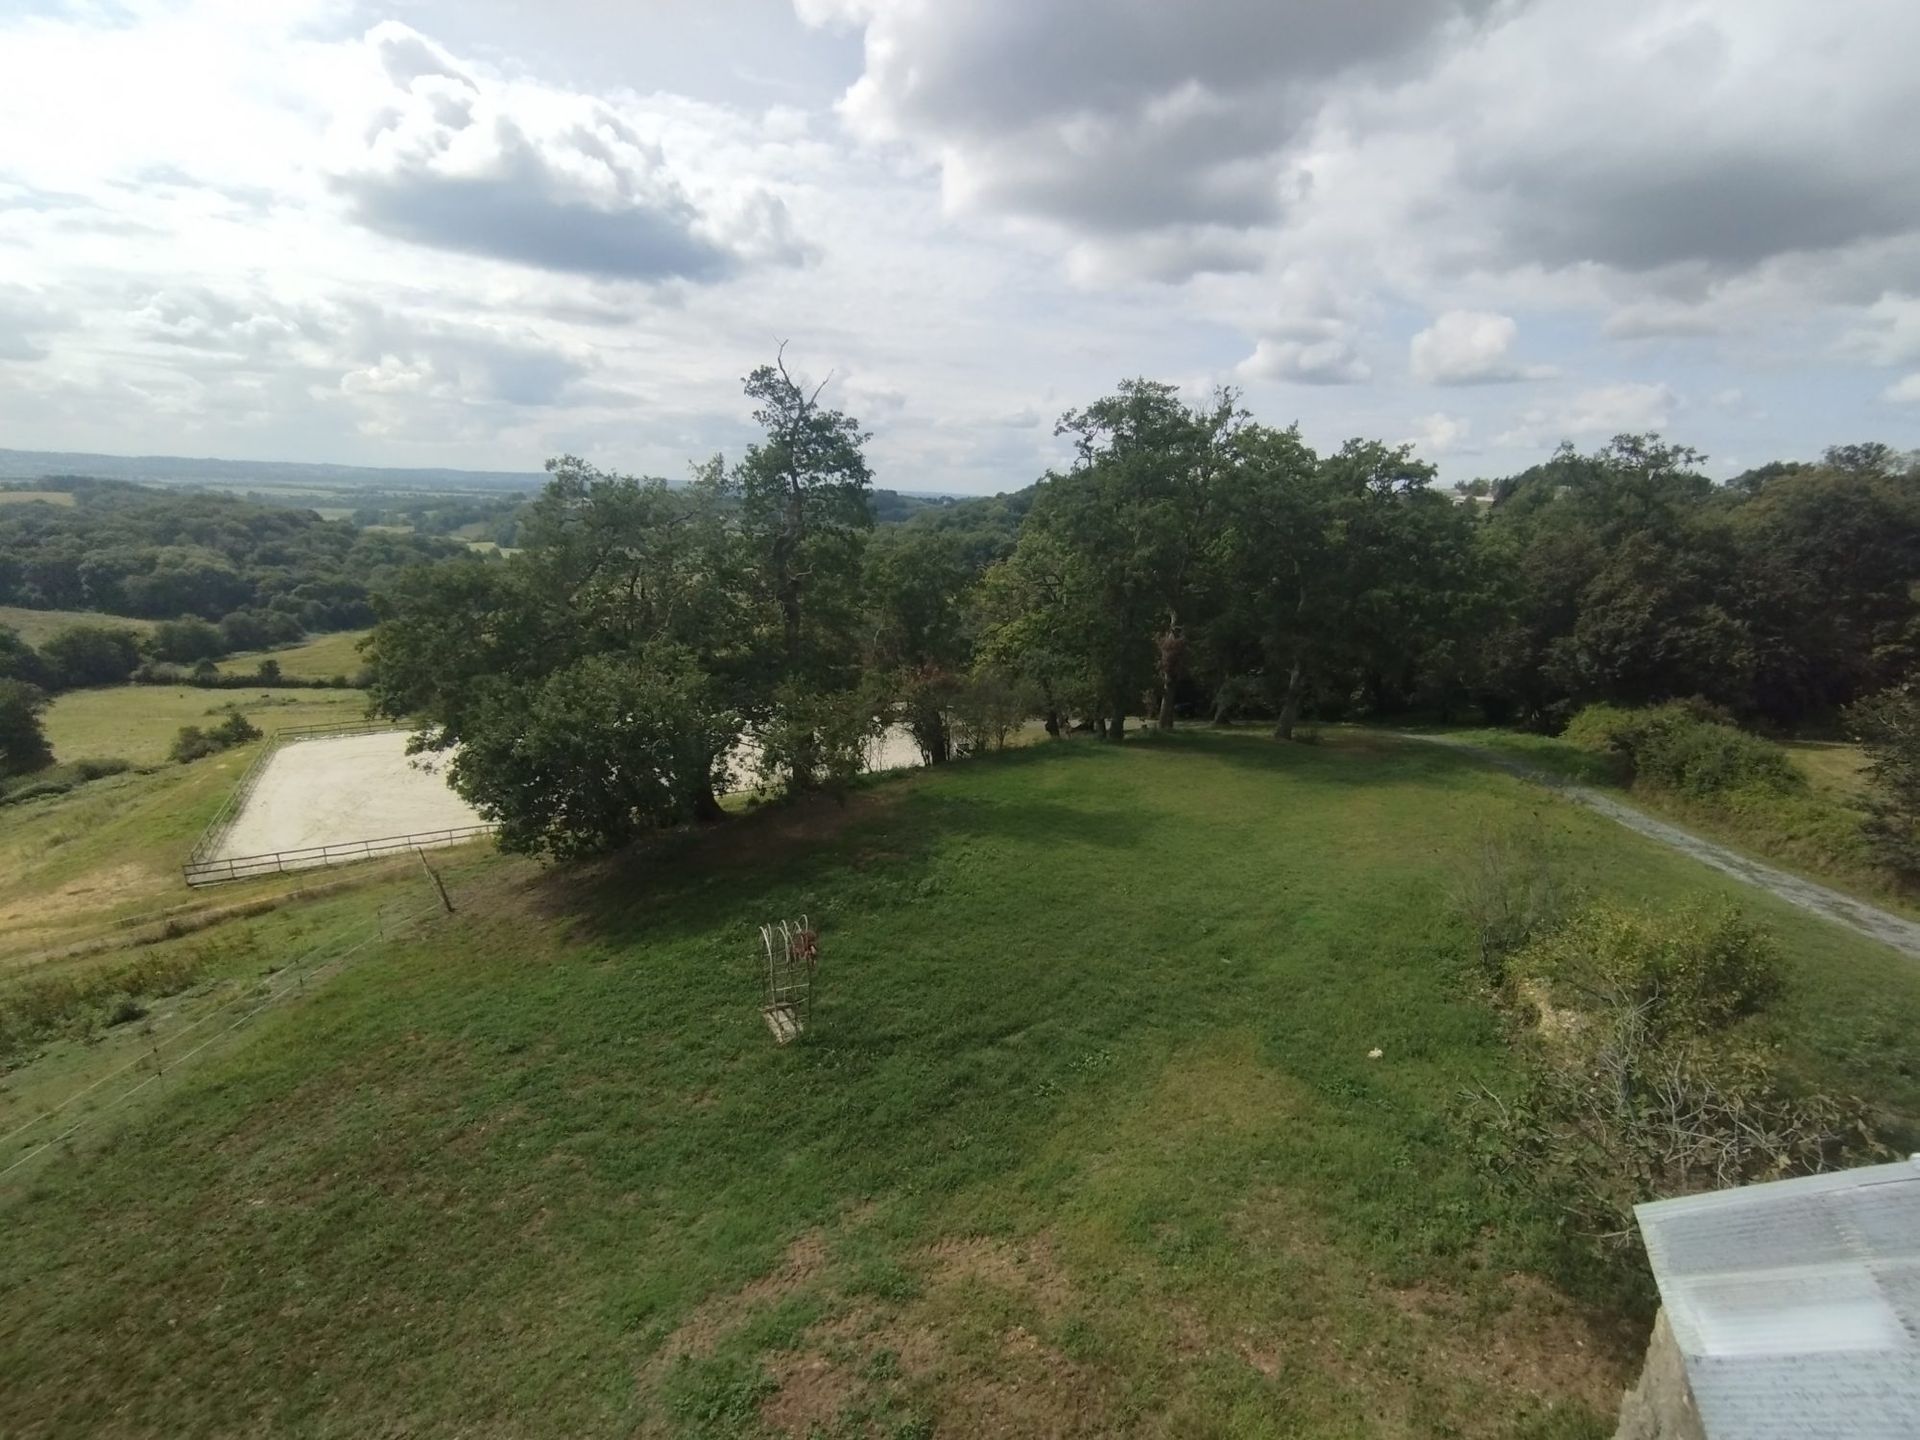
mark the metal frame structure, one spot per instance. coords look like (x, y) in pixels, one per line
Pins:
(792, 956)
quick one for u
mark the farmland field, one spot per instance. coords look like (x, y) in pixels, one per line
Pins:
(320, 658)
(36, 627)
(1089, 1133)
(138, 722)
(28, 497)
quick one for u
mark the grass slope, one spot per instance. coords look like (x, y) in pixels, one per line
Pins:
(36, 627)
(1086, 1138)
(320, 658)
(1816, 833)
(139, 722)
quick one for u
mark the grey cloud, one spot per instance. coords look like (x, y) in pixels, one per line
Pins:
(1643, 212)
(26, 320)
(445, 161)
(521, 210)
(1117, 119)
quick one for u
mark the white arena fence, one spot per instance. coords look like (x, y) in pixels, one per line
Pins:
(203, 868)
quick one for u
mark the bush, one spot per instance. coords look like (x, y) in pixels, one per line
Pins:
(91, 655)
(1509, 891)
(186, 640)
(1887, 726)
(1686, 746)
(988, 707)
(817, 741)
(23, 743)
(192, 743)
(1690, 973)
(1645, 1090)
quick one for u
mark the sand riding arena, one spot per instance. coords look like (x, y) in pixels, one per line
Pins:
(328, 796)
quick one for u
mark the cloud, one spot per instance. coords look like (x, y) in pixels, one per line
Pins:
(1332, 361)
(1118, 120)
(1604, 410)
(1469, 347)
(549, 179)
(26, 320)
(1905, 391)
(1439, 434)
(1888, 333)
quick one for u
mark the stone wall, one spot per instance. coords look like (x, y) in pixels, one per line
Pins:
(1661, 1406)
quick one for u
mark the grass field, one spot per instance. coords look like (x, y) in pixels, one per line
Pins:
(74, 867)
(1815, 833)
(320, 658)
(28, 497)
(139, 722)
(1085, 1138)
(36, 627)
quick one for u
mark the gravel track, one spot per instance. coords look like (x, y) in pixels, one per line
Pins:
(1857, 915)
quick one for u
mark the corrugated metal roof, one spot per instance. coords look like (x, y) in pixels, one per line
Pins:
(1796, 1304)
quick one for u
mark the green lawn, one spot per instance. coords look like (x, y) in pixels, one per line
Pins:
(36, 627)
(138, 722)
(1815, 833)
(320, 658)
(1085, 1138)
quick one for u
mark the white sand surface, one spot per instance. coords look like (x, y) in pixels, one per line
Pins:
(343, 789)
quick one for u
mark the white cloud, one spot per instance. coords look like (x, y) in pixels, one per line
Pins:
(489, 235)
(1469, 347)
(1602, 411)
(1904, 391)
(1888, 332)
(1331, 361)
(539, 177)
(1439, 434)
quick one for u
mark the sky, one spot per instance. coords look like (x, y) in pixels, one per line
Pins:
(479, 233)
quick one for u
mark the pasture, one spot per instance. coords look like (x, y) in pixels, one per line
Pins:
(319, 658)
(37, 627)
(1089, 1134)
(138, 722)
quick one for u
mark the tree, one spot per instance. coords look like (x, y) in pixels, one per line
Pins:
(186, 640)
(20, 661)
(1134, 524)
(916, 582)
(23, 744)
(804, 496)
(83, 655)
(1887, 725)
(602, 750)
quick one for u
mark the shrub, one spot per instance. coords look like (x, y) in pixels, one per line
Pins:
(1510, 889)
(1887, 726)
(817, 741)
(1685, 746)
(192, 743)
(988, 707)
(1693, 972)
(1648, 1091)
(23, 742)
(91, 655)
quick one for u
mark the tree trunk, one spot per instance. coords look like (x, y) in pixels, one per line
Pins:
(1289, 706)
(1164, 720)
(706, 806)
(1221, 699)
(1053, 723)
(1117, 726)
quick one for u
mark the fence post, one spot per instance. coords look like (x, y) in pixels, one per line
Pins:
(434, 876)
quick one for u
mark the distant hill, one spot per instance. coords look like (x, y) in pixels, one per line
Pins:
(288, 475)
(257, 474)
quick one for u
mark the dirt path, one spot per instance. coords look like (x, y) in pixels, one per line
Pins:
(1857, 915)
